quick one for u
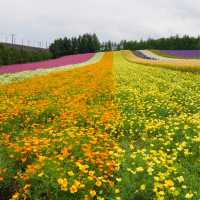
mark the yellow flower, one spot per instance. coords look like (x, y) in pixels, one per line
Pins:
(27, 187)
(83, 168)
(150, 170)
(60, 181)
(184, 186)
(41, 174)
(63, 183)
(139, 169)
(142, 187)
(118, 179)
(169, 183)
(98, 183)
(70, 173)
(100, 198)
(91, 173)
(73, 189)
(180, 179)
(117, 191)
(77, 183)
(86, 197)
(15, 196)
(189, 195)
(92, 193)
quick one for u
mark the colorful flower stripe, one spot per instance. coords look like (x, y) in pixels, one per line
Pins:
(145, 54)
(187, 54)
(66, 60)
(111, 130)
(160, 131)
(163, 55)
(175, 64)
(8, 78)
(140, 54)
(152, 55)
(56, 134)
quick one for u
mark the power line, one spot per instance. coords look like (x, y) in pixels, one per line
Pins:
(11, 38)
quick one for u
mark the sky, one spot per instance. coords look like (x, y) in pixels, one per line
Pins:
(35, 21)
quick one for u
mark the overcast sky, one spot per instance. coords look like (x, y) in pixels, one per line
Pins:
(45, 20)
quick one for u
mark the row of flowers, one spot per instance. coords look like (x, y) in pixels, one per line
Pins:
(187, 65)
(168, 55)
(160, 128)
(56, 135)
(20, 76)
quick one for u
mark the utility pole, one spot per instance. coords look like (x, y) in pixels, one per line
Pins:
(22, 43)
(13, 38)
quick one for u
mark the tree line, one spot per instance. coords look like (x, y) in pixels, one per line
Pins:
(172, 43)
(10, 55)
(89, 43)
(86, 43)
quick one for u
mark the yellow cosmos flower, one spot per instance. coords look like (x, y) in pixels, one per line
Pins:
(70, 173)
(41, 174)
(117, 191)
(169, 183)
(92, 193)
(73, 189)
(63, 183)
(139, 169)
(118, 179)
(98, 183)
(189, 195)
(15, 196)
(180, 179)
(142, 187)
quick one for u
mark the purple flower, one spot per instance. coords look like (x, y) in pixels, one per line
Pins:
(190, 54)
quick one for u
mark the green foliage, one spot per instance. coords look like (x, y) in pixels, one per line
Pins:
(171, 43)
(16, 56)
(87, 43)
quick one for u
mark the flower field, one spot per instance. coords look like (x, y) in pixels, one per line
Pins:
(187, 65)
(112, 128)
(169, 55)
(63, 61)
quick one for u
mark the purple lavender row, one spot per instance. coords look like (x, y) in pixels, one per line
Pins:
(66, 60)
(190, 54)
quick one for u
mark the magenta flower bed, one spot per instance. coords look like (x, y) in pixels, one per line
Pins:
(66, 60)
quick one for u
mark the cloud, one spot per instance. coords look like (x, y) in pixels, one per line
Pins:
(45, 20)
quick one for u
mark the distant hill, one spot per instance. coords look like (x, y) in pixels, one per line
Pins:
(24, 47)
(17, 54)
